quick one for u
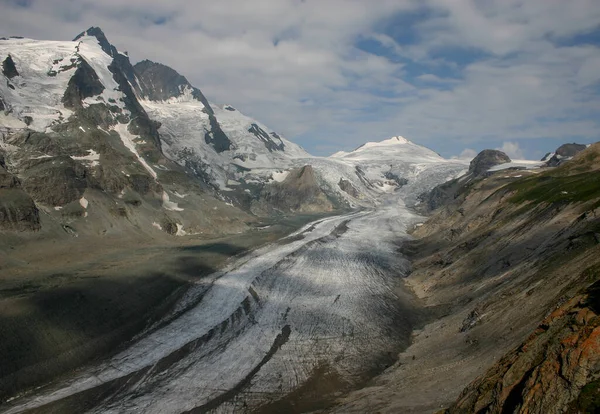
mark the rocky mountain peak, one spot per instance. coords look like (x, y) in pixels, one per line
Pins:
(101, 37)
(160, 82)
(486, 159)
(563, 153)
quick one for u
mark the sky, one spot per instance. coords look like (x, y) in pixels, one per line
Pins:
(457, 76)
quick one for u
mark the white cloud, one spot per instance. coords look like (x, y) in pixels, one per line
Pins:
(512, 149)
(467, 154)
(293, 64)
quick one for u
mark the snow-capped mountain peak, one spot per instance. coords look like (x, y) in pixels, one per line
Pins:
(399, 140)
(396, 148)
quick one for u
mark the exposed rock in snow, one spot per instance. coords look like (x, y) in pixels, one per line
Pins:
(485, 160)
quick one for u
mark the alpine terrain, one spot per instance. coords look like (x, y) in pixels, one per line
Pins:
(161, 253)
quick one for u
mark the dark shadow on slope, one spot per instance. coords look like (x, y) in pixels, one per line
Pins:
(51, 332)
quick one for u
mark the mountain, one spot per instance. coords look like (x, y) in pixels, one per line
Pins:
(243, 158)
(563, 153)
(84, 101)
(215, 141)
(507, 270)
(116, 181)
(81, 145)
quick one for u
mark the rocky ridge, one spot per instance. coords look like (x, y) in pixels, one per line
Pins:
(506, 271)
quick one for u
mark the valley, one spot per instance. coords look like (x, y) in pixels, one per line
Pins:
(161, 253)
(308, 303)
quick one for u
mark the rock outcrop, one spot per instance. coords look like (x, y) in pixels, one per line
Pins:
(348, 188)
(8, 68)
(445, 193)
(485, 160)
(555, 370)
(504, 270)
(563, 153)
(17, 209)
(299, 192)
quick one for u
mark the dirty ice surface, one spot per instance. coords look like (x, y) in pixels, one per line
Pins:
(322, 297)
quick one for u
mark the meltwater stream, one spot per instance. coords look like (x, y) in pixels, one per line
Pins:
(318, 307)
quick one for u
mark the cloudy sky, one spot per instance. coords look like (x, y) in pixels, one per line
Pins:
(455, 75)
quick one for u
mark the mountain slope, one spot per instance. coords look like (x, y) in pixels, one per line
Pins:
(73, 129)
(217, 142)
(240, 156)
(504, 270)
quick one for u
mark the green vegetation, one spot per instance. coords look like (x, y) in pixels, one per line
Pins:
(546, 188)
(589, 399)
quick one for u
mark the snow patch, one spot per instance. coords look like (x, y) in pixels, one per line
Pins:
(527, 164)
(90, 50)
(169, 205)
(128, 140)
(280, 176)
(158, 226)
(392, 141)
(180, 231)
(8, 121)
(83, 202)
(93, 158)
(36, 93)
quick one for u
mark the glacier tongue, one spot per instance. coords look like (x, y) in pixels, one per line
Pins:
(326, 301)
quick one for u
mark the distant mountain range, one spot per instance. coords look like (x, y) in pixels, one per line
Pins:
(97, 143)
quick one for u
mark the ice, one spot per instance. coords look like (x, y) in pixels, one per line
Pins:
(184, 124)
(169, 205)
(280, 176)
(525, 164)
(93, 54)
(180, 231)
(34, 93)
(93, 158)
(336, 295)
(128, 140)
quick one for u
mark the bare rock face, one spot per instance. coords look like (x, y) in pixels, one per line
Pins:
(555, 370)
(56, 181)
(17, 209)
(485, 160)
(8, 68)
(84, 84)
(348, 188)
(159, 82)
(564, 153)
(299, 192)
(445, 193)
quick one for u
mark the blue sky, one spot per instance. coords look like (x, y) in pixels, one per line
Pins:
(455, 75)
